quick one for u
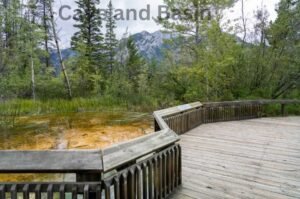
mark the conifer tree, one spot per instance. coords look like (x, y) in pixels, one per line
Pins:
(1, 36)
(89, 35)
(20, 46)
(43, 14)
(134, 64)
(110, 38)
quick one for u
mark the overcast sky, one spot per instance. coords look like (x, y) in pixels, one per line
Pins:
(67, 30)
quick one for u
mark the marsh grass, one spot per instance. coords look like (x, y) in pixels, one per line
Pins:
(13, 109)
(28, 107)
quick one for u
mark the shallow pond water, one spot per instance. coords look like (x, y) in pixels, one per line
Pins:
(86, 130)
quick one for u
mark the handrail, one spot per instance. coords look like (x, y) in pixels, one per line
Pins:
(221, 111)
(128, 152)
(161, 114)
(244, 102)
(120, 154)
(68, 161)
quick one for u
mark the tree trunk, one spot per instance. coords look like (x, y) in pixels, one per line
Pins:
(63, 68)
(244, 22)
(46, 39)
(197, 23)
(32, 78)
(31, 21)
(6, 25)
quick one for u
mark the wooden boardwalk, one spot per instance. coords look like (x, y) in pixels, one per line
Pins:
(257, 158)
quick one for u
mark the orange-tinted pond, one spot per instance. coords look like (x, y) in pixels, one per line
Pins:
(86, 130)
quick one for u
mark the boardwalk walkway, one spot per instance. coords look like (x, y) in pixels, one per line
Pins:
(257, 158)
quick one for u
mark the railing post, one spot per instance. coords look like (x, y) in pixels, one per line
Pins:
(156, 126)
(2, 191)
(89, 177)
(283, 109)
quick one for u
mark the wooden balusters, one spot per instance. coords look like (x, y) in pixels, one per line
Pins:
(26, 191)
(107, 187)
(50, 190)
(86, 192)
(155, 177)
(98, 191)
(2, 191)
(145, 175)
(216, 112)
(62, 191)
(164, 170)
(13, 191)
(151, 178)
(139, 182)
(74, 192)
(124, 185)
(116, 182)
(131, 183)
(38, 192)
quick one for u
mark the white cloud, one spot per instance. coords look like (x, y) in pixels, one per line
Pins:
(67, 30)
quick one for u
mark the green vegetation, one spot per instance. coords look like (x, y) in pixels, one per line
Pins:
(11, 110)
(21, 107)
(215, 65)
(275, 110)
(111, 43)
(204, 62)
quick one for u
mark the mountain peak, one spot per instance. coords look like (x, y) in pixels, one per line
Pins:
(144, 33)
(151, 45)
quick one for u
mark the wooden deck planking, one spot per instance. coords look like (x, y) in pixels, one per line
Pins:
(257, 158)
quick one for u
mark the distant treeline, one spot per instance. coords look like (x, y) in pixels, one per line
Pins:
(209, 64)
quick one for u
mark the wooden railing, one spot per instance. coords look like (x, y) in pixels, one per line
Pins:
(147, 167)
(155, 177)
(220, 112)
(51, 190)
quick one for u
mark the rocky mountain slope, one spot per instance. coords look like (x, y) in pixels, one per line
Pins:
(150, 46)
